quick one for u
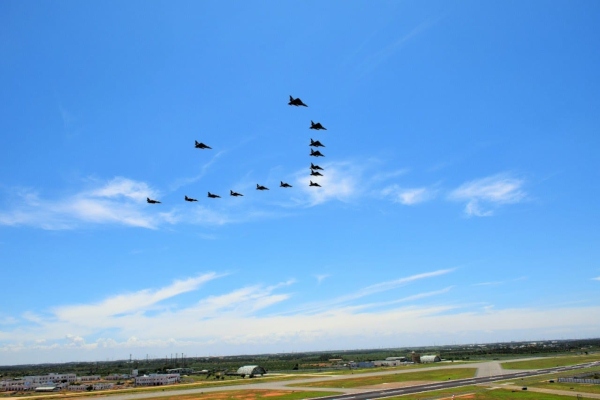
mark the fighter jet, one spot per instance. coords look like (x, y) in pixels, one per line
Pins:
(296, 102)
(315, 144)
(260, 187)
(315, 167)
(232, 193)
(149, 200)
(213, 196)
(316, 153)
(317, 126)
(201, 145)
(315, 173)
(283, 184)
(189, 199)
(314, 184)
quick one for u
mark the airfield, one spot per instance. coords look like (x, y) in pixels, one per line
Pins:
(468, 380)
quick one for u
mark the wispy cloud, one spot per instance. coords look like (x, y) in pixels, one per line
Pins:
(596, 279)
(488, 283)
(132, 302)
(373, 60)
(408, 196)
(193, 179)
(370, 290)
(492, 191)
(321, 278)
(119, 201)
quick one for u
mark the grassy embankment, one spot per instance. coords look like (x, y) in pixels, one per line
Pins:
(435, 375)
(551, 362)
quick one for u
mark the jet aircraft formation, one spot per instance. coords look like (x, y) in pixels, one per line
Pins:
(314, 169)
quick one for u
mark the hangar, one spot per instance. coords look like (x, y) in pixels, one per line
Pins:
(430, 359)
(251, 371)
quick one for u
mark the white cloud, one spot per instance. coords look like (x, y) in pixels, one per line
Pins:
(213, 324)
(132, 302)
(321, 278)
(119, 201)
(407, 196)
(492, 191)
(340, 181)
(596, 279)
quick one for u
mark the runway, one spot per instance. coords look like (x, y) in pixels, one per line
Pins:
(382, 394)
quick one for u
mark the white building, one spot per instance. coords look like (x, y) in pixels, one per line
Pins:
(116, 377)
(77, 388)
(89, 378)
(16, 385)
(157, 379)
(103, 386)
(47, 380)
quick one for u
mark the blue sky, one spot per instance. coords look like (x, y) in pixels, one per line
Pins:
(459, 202)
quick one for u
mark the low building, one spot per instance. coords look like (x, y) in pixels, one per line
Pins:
(430, 359)
(102, 386)
(388, 363)
(395, 359)
(251, 371)
(180, 371)
(16, 385)
(116, 377)
(362, 364)
(89, 378)
(78, 388)
(157, 379)
(50, 379)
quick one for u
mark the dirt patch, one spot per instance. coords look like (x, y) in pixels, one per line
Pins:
(394, 385)
(275, 394)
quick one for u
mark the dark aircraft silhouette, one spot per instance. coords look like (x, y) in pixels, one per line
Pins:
(315, 144)
(232, 193)
(315, 167)
(189, 199)
(316, 153)
(314, 184)
(149, 200)
(260, 187)
(296, 102)
(283, 184)
(213, 196)
(201, 145)
(317, 126)
(315, 173)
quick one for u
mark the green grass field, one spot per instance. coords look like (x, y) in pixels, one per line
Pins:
(379, 369)
(435, 375)
(551, 362)
(577, 387)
